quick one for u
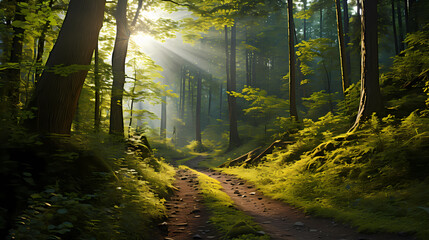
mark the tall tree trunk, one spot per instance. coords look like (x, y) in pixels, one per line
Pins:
(56, 96)
(347, 39)
(97, 87)
(118, 68)
(304, 2)
(13, 82)
(118, 65)
(395, 35)
(370, 100)
(220, 100)
(198, 111)
(342, 46)
(41, 44)
(163, 128)
(406, 16)
(247, 52)
(179, 106)
(321, 23)
(210, 96)
(130, 125)
(234, 139)
(413, 18)
(190, 100)
(401, 31)
(227, 56)
(253, 61)
(182, 108)
(292, 69)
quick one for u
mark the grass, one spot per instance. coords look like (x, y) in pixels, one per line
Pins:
(231, 223)
(375, 178)
(96, 191)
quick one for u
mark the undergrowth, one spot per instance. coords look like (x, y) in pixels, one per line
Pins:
(84, 187)
(231, 222)
(374, 178)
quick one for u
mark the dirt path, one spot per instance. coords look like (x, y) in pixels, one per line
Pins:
(281, 221)
(188, 217)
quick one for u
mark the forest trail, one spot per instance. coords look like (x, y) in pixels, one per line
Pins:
(189, 219)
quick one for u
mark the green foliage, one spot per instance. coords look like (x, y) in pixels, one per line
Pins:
(261, 104)
(404, 84)
(318, 50)
(319, 103)
(125, 202)
(378, 172)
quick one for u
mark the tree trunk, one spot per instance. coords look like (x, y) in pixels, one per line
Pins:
(41, 45)
(342, 46)
(198, 111)
(179, 106)
(234, 139)
(210, 97)
(406, 16)
(292, 69)
(220, 100)
(347, 40)
(163, 128)
(13, 82)
(227, 56)
(401, 31)
(304, 2)
(118, 68)
(395, 35)
(321, 23)
(370, 101)
(253, 68)
(56, 96)
(182, 110)
(97, 88)
(118, 65)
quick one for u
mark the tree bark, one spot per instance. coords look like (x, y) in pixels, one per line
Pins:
(395, 35)
(304, 2)
(163, 128)
(56, 96)
(118, 65)
(292, 69)
(370, 100)
(347, 39)
(342, 46)
(234, 139)
(220, 100)
(118, 68)
(321, 23)
(210, 97)
(401, 31)
(198, 111)
(97, 88)
(41, 45)
(406, 16)
(13, 82)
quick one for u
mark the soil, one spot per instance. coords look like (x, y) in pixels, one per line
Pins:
(188, 218)
(277, 219)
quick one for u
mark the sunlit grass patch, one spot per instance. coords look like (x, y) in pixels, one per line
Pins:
(374, 178)
(231, 223)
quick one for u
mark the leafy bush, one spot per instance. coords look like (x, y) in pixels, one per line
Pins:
(378, 172)
(82, 195)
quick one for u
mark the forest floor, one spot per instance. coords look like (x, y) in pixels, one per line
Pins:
(189, 218)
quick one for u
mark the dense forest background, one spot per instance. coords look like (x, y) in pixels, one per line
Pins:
(99, 99)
